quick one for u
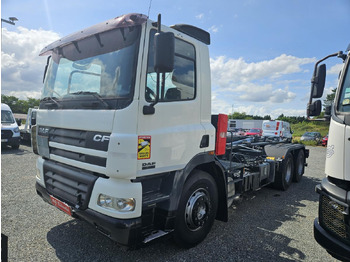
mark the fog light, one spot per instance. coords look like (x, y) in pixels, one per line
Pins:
(119, 204)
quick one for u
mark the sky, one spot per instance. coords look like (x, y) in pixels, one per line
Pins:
(262, 52)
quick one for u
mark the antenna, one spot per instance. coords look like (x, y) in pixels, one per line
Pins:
(149, 7)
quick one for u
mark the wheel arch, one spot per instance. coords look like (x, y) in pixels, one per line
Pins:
(208, 164)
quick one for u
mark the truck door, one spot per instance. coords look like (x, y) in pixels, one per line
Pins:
(347, 154)
(170, 137)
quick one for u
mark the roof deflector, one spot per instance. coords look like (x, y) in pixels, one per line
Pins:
(194, 32)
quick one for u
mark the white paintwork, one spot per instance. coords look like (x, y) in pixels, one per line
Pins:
(176, 128)
(335, 150)
(347, 154)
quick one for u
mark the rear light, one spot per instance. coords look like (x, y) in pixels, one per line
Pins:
(221, 131)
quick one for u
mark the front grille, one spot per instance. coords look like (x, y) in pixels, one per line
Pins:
(71, 185)
(6, 134)
(333, 218)
(98, 141)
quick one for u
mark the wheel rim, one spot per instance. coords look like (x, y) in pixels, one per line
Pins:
(197, 209)
(288, 172)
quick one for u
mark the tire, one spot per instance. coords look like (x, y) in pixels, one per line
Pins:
(299, 166)
(15, 146)
(196, 210)
(284, 177)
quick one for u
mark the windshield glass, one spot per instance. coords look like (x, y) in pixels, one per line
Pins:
(97, 72)
(7, 117)
(344, 96)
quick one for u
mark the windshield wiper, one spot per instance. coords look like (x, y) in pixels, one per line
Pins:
(53, 99)
(94, 94)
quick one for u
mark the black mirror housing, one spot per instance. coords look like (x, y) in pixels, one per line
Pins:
(318, 81)
(314, 109)
(164, 46)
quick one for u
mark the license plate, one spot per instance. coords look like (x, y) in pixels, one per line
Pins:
(3, 140)
(61, 205)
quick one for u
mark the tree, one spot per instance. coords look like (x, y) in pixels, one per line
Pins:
(19, 106)
(329, 98)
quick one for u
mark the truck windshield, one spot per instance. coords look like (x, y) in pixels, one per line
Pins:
(6, 117)
(344, 95)
(97, 72)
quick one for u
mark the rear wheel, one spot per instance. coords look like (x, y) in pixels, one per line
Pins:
(197, 210)
(284, 177)
(299, 166)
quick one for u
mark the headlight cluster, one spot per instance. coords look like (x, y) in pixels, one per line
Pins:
(16, 130)
(119, 204)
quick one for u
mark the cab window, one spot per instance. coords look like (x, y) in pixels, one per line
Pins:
(180, 84)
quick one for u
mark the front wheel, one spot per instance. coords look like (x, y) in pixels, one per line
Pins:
(197, 209)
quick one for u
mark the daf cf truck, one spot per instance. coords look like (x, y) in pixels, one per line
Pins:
(332, 227)
(126, 140)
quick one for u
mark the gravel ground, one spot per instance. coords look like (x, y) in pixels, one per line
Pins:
(266, 225)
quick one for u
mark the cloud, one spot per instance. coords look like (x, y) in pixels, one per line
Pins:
(21, 67)
(334, 70)
(227, 71)
(213, 29)
(200, 16)
(259, 87)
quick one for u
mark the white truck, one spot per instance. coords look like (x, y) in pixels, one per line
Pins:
(26, 129)
(332, 227)
(9, 128)
(278, 129)
(126, 140)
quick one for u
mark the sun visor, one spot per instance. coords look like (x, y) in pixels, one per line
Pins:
(123, 21)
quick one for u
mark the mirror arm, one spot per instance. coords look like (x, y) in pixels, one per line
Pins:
(47, 65)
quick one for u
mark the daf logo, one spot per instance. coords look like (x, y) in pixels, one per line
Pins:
(100, 138)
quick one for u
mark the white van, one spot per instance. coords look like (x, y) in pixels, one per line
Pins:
(10, 134)
(276, 128)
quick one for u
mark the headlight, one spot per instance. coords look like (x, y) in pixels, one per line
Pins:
(119, 204)
(16, 130)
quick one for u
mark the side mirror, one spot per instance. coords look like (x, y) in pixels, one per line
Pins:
(318, 80)
(164, 46)
(19, 122)
(314, 109)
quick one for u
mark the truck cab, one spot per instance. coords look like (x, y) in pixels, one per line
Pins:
(108, 122)
(332, 227)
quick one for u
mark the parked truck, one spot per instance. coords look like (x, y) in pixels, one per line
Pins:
(26, 129)
(126, 140)
(332, 227)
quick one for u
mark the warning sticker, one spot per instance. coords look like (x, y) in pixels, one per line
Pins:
(144, 147)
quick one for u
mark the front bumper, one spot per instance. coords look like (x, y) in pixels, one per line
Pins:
(336, 248)
(332, 227)
(124, 231)
(13, 141)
